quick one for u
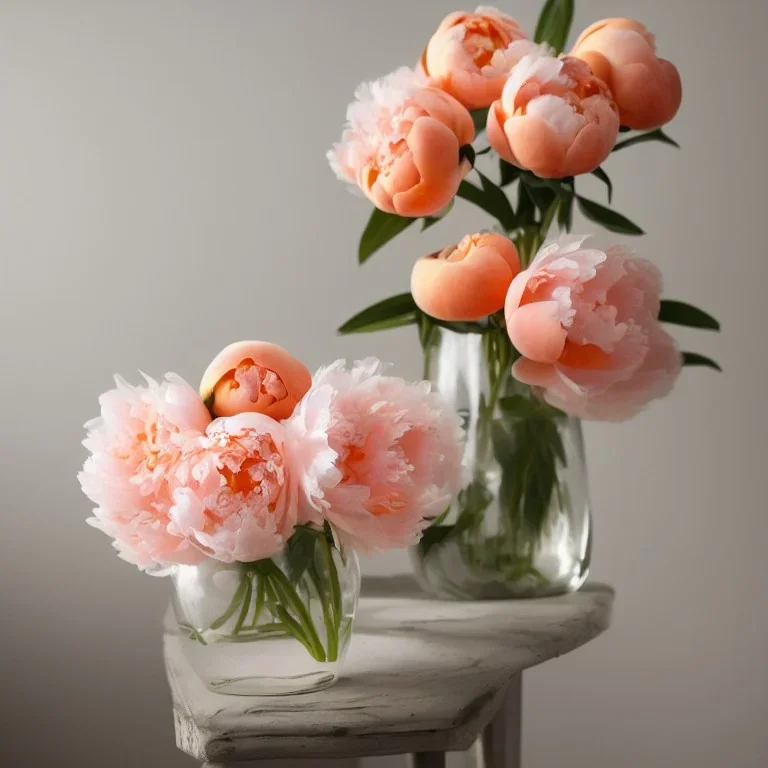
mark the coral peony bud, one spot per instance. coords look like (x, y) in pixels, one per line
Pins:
(256, 377)
(466, 281)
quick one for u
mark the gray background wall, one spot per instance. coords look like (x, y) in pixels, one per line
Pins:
(163, 191)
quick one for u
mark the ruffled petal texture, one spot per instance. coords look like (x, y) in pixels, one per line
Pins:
(139, 435)
(234, 495)
(401, 144)
(376, 456)
(554, 117)
(470, 55)
(585, 321)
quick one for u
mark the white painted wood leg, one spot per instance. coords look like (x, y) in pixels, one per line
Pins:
(499, 744)
(428, 760)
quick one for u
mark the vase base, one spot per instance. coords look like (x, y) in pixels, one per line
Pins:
(272, 686)
(269, 667)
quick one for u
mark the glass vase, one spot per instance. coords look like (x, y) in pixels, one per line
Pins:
(270, 627)
(521, 525)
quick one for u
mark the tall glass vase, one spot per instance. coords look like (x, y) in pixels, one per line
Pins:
(521, 525)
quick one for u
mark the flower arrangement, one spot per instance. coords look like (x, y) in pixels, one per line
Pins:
(566, 328)
(271, 475)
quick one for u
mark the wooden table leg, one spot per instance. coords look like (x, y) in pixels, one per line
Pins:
(428, 760)
(499, 744)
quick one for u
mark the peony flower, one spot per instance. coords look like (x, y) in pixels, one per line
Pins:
(466, 281)
(471, 54)
(254, 376)
(585, 321)
(379, 457)
(622, 52)
(554, 117)
(233, 492)
(401, 145)
(138, 436)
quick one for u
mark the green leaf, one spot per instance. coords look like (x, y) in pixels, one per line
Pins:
(300, 552)
(657, 135)
(467, 152)
(379, 230)
(507, 172)
(565, 212)
(693, 358)
(603, 176)
(542, 191)
(479, 118)
(554, 23)
(680, 313)
(433, 537)
(611, 220)
(393, 312)
(491, 199)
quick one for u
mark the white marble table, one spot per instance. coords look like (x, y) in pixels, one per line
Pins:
(423, 676)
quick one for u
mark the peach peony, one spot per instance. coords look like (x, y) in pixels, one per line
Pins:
(379, 457)
(138, 436)
(254, 376)
(554, 117)
(585, 322)
(466, 281)
(471, 54)
(622, 53)
(401, 145)
(233, 491)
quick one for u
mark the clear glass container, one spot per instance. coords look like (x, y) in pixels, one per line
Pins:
(271, 627)
(521, 525)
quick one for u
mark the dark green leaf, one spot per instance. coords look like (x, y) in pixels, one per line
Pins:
(603, 176)
(680, 313)
(693, 358)
(526, 208)
(483, 151)
(565, 212)
(379, 230)
(479, 118)
(657, 135)
(491, 199)
(467, 152)
(300, 552)
(624, 129)
(507, 172)
(611, 220)
(542, 191)
(432, 537)
(390, 313)
(554, 23)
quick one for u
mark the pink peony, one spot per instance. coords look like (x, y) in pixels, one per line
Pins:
(133, 443)
(379, 457)
(585, 321)
(401, 144)
(233, 490)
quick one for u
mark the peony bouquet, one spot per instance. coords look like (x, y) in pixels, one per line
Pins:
(255, 492)
(524, 334)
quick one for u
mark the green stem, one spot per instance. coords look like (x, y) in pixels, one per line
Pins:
(288, 595)
(292, 626)
(331, 631)
(236, 600)
(246, 605)
(260, 597)
(333, 576)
